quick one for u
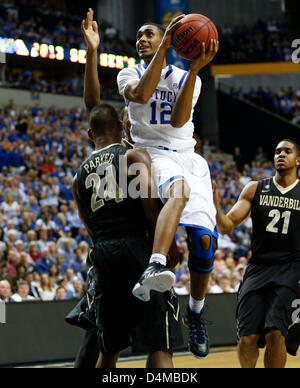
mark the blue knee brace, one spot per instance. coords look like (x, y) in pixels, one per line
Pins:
(200, 260)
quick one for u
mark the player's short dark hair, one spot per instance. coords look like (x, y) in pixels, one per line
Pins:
(103, 118)
(158, 26)
(296, 145)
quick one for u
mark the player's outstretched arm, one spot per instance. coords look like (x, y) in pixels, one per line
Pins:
(181, 113)
(239, 212)
(89, 29)
(140, 91)
(82, 214)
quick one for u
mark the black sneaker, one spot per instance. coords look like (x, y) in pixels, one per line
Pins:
(156, 277)
(198, 338)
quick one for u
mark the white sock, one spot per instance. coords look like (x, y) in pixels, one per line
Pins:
(158, 258)
(196, 305)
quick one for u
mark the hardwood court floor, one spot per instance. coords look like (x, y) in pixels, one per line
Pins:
(218, 358)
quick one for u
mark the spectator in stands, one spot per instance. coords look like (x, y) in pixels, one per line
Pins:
(42, 266)
(53, 275)
(34, 253)
(5, 291)
(21, 272)
(65, 190)
(22, 294)
(43, 241)
(184, 286)
(45, 222)
(17, 193)
(11, 263)
(61, 264)
(67, 250)
(46, 289)
(225, 284)
(219, 262)
(61, 293)
(78, 286)
(78, 263)
(10, 208)
(73, 219)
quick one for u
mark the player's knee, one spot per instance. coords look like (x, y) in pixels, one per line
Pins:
(205, 242)
(274, 336)
(202, 248)
(249, 341)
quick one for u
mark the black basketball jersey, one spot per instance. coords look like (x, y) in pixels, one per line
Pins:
(275, 214)
(102, 187)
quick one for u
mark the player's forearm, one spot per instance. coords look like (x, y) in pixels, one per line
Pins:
(183, 106)
(224, 223)
(143, 91)
(91, 81)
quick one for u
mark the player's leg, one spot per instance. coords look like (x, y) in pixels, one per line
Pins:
(278, 321)
(251, 315)
(159, 340)
(276, 354)
(88, 353)
(157, 277)
(248, 351)
(108, 361)
(160, 359)
(202, 246)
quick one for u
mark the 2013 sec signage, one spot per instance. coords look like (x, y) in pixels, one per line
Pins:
(59, 53)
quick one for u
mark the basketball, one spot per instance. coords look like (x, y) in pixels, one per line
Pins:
(194, 29)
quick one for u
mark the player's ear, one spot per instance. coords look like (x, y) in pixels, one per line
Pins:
(90, 134)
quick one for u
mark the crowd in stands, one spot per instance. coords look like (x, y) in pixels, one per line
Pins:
(51, 22)
(265, 41)
(284, 102)
(43, 244)
(37, 82)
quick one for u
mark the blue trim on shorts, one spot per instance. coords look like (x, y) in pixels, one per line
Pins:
(214, 233)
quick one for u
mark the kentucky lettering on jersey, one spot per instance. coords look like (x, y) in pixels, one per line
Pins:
(151, 122)
(275, 212)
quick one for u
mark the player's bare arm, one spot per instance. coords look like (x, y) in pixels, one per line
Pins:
(140, 91)
(239, 212)
(82, 214)
(183, 106)
(89, 28)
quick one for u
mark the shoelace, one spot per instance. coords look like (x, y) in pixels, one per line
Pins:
(198, 331)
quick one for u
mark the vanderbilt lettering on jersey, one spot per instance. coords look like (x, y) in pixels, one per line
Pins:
(276, 218)
(109, 210)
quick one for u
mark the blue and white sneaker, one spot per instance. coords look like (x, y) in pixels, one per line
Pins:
(156, 277)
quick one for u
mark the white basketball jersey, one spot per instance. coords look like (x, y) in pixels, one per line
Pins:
(150, 122)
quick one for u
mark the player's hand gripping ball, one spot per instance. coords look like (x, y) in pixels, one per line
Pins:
(193, 30)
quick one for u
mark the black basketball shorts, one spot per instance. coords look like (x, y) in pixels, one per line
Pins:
(122, 319)
(265, 299)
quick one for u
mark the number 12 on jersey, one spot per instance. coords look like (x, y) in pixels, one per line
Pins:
(164, 115)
